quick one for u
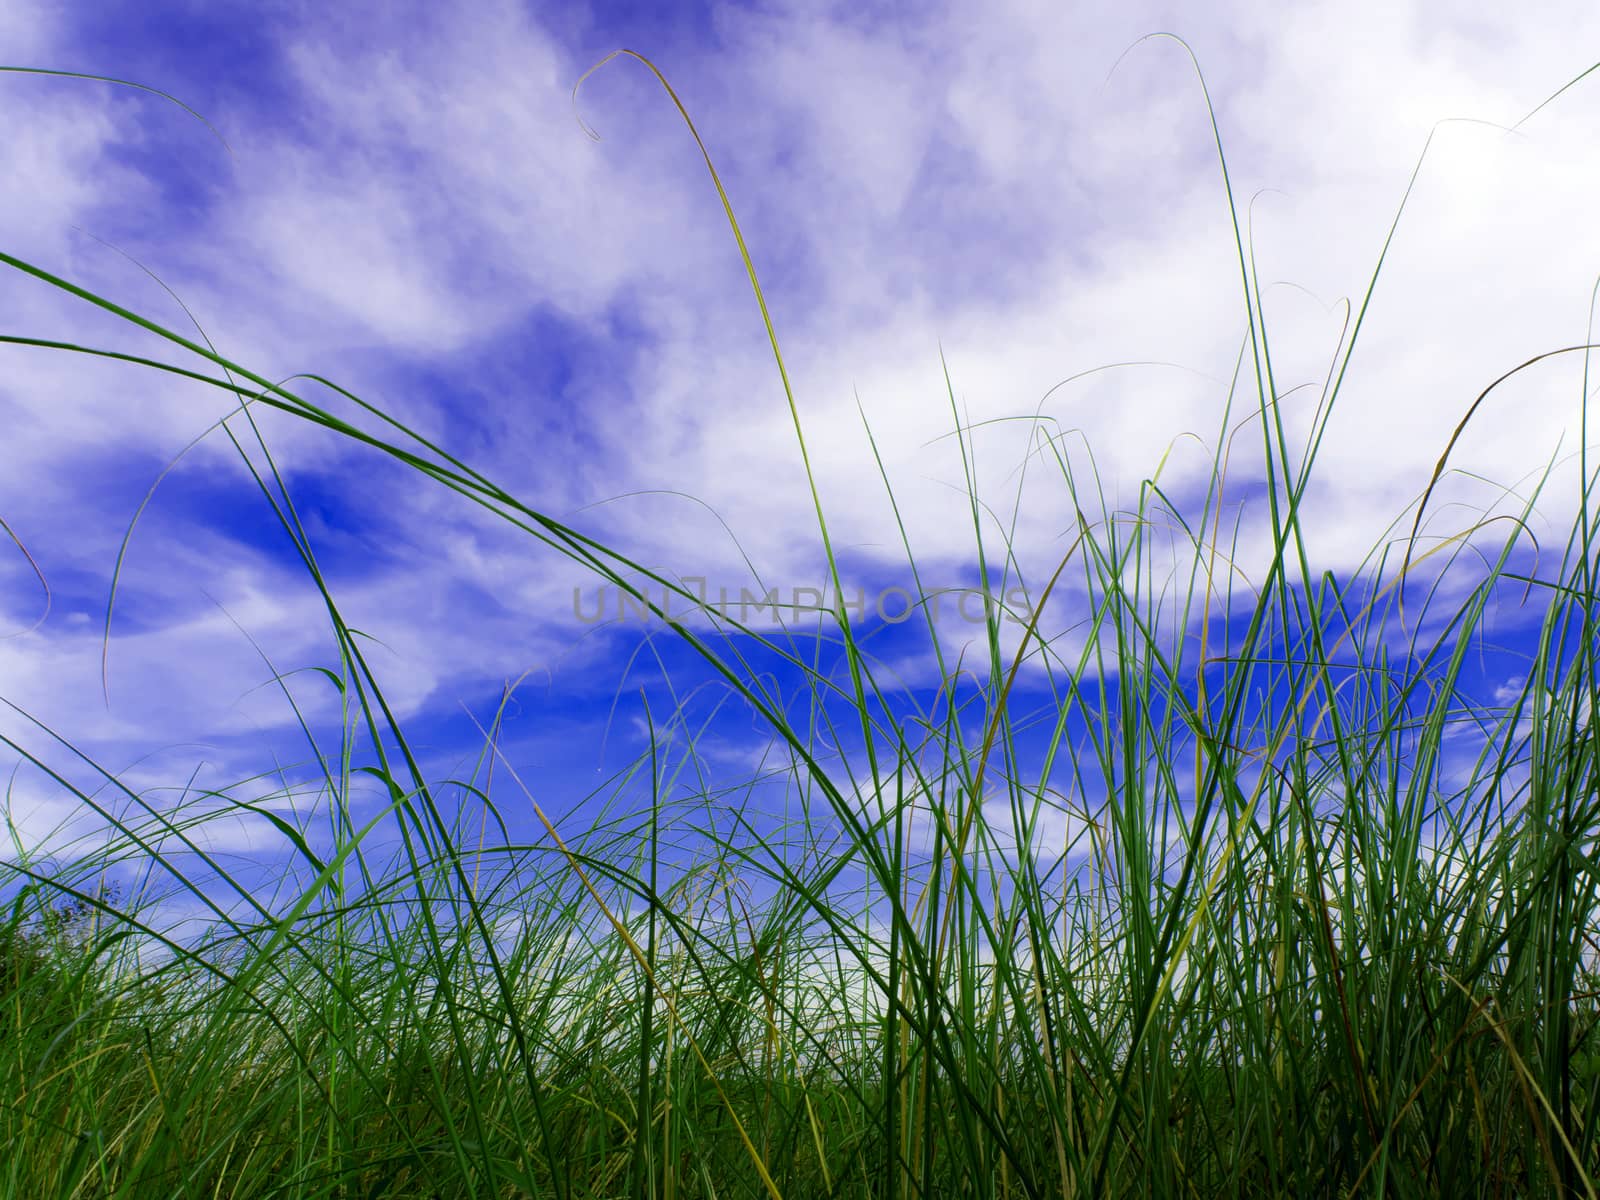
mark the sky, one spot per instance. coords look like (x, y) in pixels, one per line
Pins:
(403, 199)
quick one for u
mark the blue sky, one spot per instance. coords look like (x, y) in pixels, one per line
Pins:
(411, 209)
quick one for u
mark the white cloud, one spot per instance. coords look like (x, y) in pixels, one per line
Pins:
(971, 180)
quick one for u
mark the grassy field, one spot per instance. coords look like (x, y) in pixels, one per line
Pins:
(1292, 949)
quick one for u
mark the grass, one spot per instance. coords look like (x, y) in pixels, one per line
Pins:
(1204, 907)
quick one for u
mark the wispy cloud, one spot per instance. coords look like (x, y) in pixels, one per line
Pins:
(412, 209)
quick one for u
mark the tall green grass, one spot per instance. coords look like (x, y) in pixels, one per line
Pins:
(1218, 917)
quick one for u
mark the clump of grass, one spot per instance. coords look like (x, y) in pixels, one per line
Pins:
(1283, 947)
